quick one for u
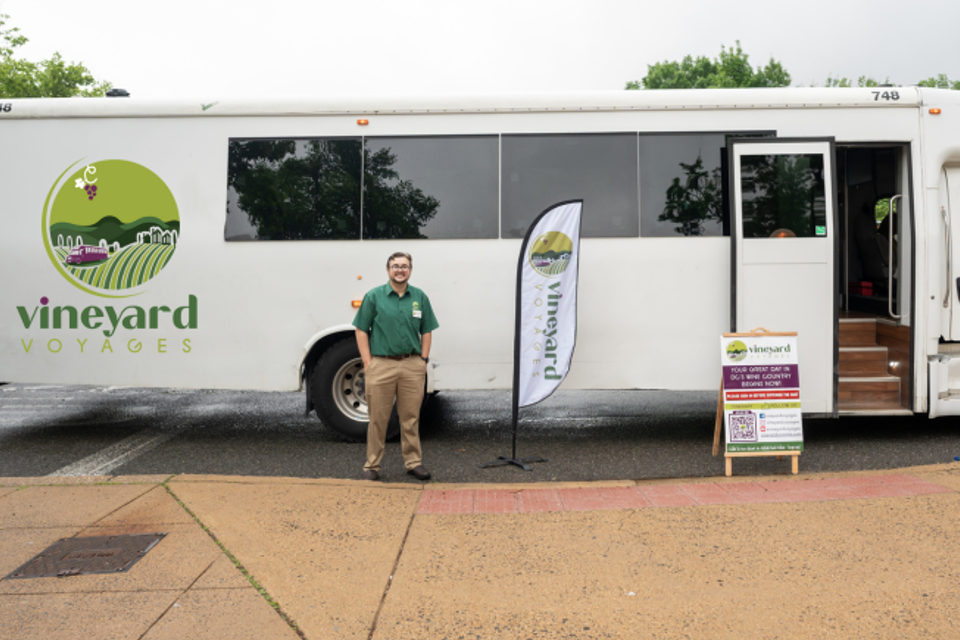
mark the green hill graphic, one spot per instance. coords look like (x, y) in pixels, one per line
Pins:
(110, 230)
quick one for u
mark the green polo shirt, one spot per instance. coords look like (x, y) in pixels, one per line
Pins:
(391, 321)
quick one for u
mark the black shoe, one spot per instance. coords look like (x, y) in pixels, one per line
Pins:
(419, 472)
(370, 474)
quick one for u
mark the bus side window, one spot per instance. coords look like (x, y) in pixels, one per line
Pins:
(681, 185)
(293, 189)
(432, 187)
(600, 169)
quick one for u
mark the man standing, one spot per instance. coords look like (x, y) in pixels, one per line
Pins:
(394, 327)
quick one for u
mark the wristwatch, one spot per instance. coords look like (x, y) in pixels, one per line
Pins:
(426, 360)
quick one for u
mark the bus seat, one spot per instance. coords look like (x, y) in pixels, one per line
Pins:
(872, 246)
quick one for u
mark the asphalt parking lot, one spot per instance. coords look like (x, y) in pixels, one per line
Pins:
(585, 435)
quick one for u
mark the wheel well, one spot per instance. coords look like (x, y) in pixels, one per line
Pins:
(313, 356)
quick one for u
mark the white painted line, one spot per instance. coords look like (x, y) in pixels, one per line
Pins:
(105, 461)
(28, 402)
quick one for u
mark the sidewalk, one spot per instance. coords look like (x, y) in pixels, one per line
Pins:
(816, 556)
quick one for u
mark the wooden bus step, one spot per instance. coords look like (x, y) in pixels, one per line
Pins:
(860, 360)
(866, 390)
(858, 332)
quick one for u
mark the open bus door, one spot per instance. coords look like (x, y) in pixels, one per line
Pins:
(784, 246)
(945, 367)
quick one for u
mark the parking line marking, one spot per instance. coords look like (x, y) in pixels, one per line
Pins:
(103, 462)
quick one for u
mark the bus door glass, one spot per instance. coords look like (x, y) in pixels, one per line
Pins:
(784, 253)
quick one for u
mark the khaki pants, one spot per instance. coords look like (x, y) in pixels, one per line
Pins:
(386, 380)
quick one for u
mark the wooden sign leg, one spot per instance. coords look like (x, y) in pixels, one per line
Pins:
(794, 459)
(718, 427)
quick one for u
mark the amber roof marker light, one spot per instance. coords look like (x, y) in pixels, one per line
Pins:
(935, 111)
(363, 122)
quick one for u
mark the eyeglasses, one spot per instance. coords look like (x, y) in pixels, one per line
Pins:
(400, 267)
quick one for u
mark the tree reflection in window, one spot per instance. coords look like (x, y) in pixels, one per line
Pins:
(783, 192)
(295, 189)
(310, 189)
(681, 185)
(393, 208)
(695, 200)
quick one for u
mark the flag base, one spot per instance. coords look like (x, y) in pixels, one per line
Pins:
(503, 461)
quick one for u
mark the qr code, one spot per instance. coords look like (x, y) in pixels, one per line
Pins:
(742, 426)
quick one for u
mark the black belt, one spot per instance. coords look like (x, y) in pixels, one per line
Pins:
(403, 357)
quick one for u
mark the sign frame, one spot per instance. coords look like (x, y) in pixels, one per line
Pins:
(794, 454)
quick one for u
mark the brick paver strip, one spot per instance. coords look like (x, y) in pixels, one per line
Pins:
(708, 493)
(540, 500)
(672, 495)
(624, 498)
(496, 501)
(447, 502)
(668, 495)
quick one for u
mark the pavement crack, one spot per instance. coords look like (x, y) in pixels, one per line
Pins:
(147, 489)
(393, 572)
(246, 574)
(182, 592)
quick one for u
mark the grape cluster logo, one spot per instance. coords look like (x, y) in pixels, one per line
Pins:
(736, 351)
(550, 253)
(110, 227)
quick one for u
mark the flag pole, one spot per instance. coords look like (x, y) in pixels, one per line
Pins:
(523, 463)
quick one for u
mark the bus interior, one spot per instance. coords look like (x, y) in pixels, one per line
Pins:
(875, 267)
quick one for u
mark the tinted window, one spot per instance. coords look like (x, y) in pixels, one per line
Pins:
(294, 189)
(681, 185)
(783, 196)
(431, 187)
(542, 170)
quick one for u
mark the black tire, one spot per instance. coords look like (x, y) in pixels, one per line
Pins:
(337, 387)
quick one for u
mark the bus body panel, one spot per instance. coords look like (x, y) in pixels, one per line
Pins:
(650, 308)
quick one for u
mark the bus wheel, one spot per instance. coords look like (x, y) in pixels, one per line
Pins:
(340, 393)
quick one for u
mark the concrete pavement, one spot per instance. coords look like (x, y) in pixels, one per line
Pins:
(868, 555)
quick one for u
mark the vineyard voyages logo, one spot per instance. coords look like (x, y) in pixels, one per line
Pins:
(550, 253)
(109, 228)
(112, 226)
(736, 351)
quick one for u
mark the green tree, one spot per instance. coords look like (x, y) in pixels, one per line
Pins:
(862, 81)
(941, 81)
(844, 83)
(52, 78)
(731, 69)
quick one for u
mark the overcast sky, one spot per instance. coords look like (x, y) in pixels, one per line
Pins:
(240, 48)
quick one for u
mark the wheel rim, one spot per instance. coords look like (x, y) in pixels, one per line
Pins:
(349, 391)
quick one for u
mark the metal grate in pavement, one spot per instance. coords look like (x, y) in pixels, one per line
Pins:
(85, 556)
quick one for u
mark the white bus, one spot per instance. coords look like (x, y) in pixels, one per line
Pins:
(241, 235)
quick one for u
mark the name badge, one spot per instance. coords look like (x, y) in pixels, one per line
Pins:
(417, 314)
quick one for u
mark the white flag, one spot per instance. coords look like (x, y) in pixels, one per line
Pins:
(547, 303)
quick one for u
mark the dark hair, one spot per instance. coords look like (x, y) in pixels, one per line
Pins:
(400, 254)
